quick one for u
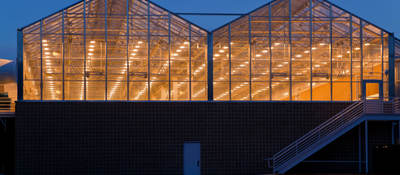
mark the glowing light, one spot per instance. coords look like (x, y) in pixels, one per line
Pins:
(182, 47)
(140, 42)
(175, 54)
(137, 47)
(92, 46)
(340, 56)
(45, 41)
(221, 51)
(299, 56)
(232, 43)
(317, 65)
(226, 47)
(217, 55)
(135, 50)
(179, 50)
(357, 48)
(258, 55)
(45, 45)
(47, 53)
(348, 52)
(367, 44)
(91, 50)
(90, 54)
(46, 48)
(186, 42)
(314, 48)
(307, 51)
(277, 44)
(322, 44)
(280, 65)
(92, 42)
(264, 51)
(133, 54)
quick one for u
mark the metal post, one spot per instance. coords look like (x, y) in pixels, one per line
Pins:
(210, 73)
(398, 134)
(331, 48)
(391, 66)
(84, 52)
(359, 150)
(127, 51)
(20, 64)
(190, 62)
(106, 42)
(366, 146)
(63, 55)
(148, 50)
(230, 61)
(362, 56)
(270, 50)
(383, 55)
(290, 51)
(250, 58)
(393, 132)
(41, 59)
(351, 57)
(169, 56)
(311, 45)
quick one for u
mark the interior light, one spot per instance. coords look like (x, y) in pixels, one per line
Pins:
(92, 42)
(92, 46)
(182, 47)
(285, 62)
(135, 50)
(340, 56)
(226, 47)
(322, 44)
(221, 51)
(232, 43)
(45, 41)
(317, 65)
(90, 54)
(186, 42)
(47, 53)
(140, 42)
(299, 56)
(314, 48)
(179, 50)
(280, 65)
(277, 44)
(264, 51)
(175, 54)
(348, 52)
(307, 51)
(137, 47)
(46, 48)
(357, 48)
(258, 55)
(45, 45)
(217, 55)
(133, 54)
(91, 50)
(367, 44)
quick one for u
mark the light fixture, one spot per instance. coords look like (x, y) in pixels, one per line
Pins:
(92, 46)
(264, 51)
(340, 56)
(367, 44)
(179, 50)
(314, 48)
(45, 41)
(348, 52)
(307, 51)
(90, 54)
(46, 48)
(221, 51)
(299, 56)
(258, 55)
(357, 48)
(133, 54)
(217, 55)
(277, 44)
(186, 42)
(91, 50)
(182, 47)
(322, 44)
(47, 53)
(317, 65)
(280, 65)
(175, 54)
(226, 47)
(137, 47)
(135, 50)
(140, 42)
(45, 45)
(92, 42)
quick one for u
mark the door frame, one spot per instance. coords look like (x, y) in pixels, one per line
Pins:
(364, 87)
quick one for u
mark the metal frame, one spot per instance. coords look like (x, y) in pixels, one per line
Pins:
(210, 54)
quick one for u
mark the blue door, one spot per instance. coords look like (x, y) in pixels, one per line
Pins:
(191, 158)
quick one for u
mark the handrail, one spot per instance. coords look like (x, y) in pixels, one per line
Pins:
(332, 126)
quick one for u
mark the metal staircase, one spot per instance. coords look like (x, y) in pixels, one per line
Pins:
(327, 132)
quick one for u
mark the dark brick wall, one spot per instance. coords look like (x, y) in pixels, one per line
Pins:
(147, 138)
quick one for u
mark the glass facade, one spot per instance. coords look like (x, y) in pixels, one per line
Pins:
(287, 50)
(114, 50)
(302, 50)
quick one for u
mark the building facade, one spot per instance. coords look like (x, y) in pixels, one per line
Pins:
(123, 86)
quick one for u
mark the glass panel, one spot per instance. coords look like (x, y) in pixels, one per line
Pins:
(341, 91)
(372, 91)
(301, 91)
(321, 91)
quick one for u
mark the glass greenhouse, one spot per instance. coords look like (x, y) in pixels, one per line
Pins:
(125, 50)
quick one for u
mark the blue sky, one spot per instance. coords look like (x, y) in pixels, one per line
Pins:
(18, 13)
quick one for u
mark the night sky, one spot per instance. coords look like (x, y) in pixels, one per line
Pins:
(19, 13)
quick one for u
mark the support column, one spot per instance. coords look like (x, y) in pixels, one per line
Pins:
(359, 150)
(391, 66)
(106, 41)
(210, 72)
(394, 132)
(20, 64)
(366, 147)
